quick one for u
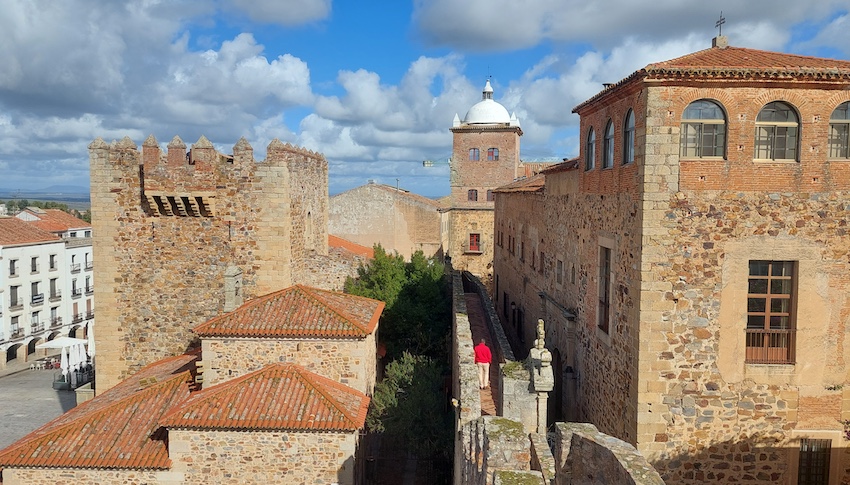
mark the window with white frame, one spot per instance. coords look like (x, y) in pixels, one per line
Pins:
(608, 146)
(703, 131)
(839, 131)
(629, 138)
(590, 150)
(777, 132)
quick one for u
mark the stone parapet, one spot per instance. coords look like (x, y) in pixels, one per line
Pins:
(583, 455)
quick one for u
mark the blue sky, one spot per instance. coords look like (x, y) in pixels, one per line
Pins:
(371, 85)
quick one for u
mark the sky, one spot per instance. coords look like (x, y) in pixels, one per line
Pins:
(372, 85)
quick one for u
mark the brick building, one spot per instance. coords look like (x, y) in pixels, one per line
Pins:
(396, 218)
(485, 155)
(692, 266)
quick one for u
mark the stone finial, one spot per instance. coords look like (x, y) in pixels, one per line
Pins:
(540, 343)
(202, 143)
(126, 144)
(176, 142)
(98, 144)
(150, 141)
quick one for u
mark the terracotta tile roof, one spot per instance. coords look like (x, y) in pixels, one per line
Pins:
(535, 183)
(298, 311)
(276, 397)
(751, 59)
(55, 220)
(737, 63)
(338, 242)
(565, 166)
(118, 429)
(14, 231)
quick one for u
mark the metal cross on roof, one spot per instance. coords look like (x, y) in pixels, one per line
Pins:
(719, 23)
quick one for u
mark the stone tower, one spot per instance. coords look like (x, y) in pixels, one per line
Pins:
(184, 235)
(485, 155)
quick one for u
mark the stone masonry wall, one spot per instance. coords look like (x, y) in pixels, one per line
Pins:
(584, 456)
(704, 222)
(350, 362)
(291, 457)
(75, 476)
(160, 274)
(398, 220)
(462, 223)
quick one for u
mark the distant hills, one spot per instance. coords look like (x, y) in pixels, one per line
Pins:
(75, 196)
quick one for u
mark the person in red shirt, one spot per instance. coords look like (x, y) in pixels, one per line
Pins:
(483, 357)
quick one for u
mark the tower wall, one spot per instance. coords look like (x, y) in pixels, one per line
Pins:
(168, 225)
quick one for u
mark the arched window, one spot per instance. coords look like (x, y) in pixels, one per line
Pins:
(703, 133)
(473, 154)
(777, 132)
(590, 150)
(608, 146)
(493, 154)
(629, 138)
(472, 195)
(839, 131)
(490, 197)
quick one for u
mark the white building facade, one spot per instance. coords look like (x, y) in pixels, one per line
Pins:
(46, 285)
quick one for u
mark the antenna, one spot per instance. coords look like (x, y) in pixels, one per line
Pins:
(719, 23)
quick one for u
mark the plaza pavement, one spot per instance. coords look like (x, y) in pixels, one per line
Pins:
(28, 400)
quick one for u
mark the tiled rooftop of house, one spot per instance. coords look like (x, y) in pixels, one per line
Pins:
(338, 242)
(276, 397)
(14, 231)
(743, 58)
(118, 429)
(55, 220)
(298, 311)
(736, 63)
(535, 183)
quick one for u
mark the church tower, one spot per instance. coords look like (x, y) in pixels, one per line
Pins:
(485, 155)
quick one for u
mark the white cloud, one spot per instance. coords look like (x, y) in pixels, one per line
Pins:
(492, 25)
(284, 12)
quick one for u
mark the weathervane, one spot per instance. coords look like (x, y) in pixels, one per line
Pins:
(719, 23)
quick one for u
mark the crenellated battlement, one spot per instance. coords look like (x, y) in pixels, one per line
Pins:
(184, 181)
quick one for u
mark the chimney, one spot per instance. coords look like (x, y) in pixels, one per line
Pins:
(721, 42)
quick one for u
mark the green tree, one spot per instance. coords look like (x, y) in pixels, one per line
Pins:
(408, 405)
(382, 280)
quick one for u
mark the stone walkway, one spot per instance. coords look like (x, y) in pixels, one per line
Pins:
(478, 325)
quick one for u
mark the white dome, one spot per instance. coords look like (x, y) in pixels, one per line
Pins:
(487, 111)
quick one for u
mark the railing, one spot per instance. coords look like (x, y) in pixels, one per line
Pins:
(89, 290)
(38, 299)
(16, 303)
(78, 317)
(770, 346)
(89, 265)
(55, 322)
(37, 327)
(75, 268)
(75, 292)
(17, 333)
(89, 314)
(55, 295)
